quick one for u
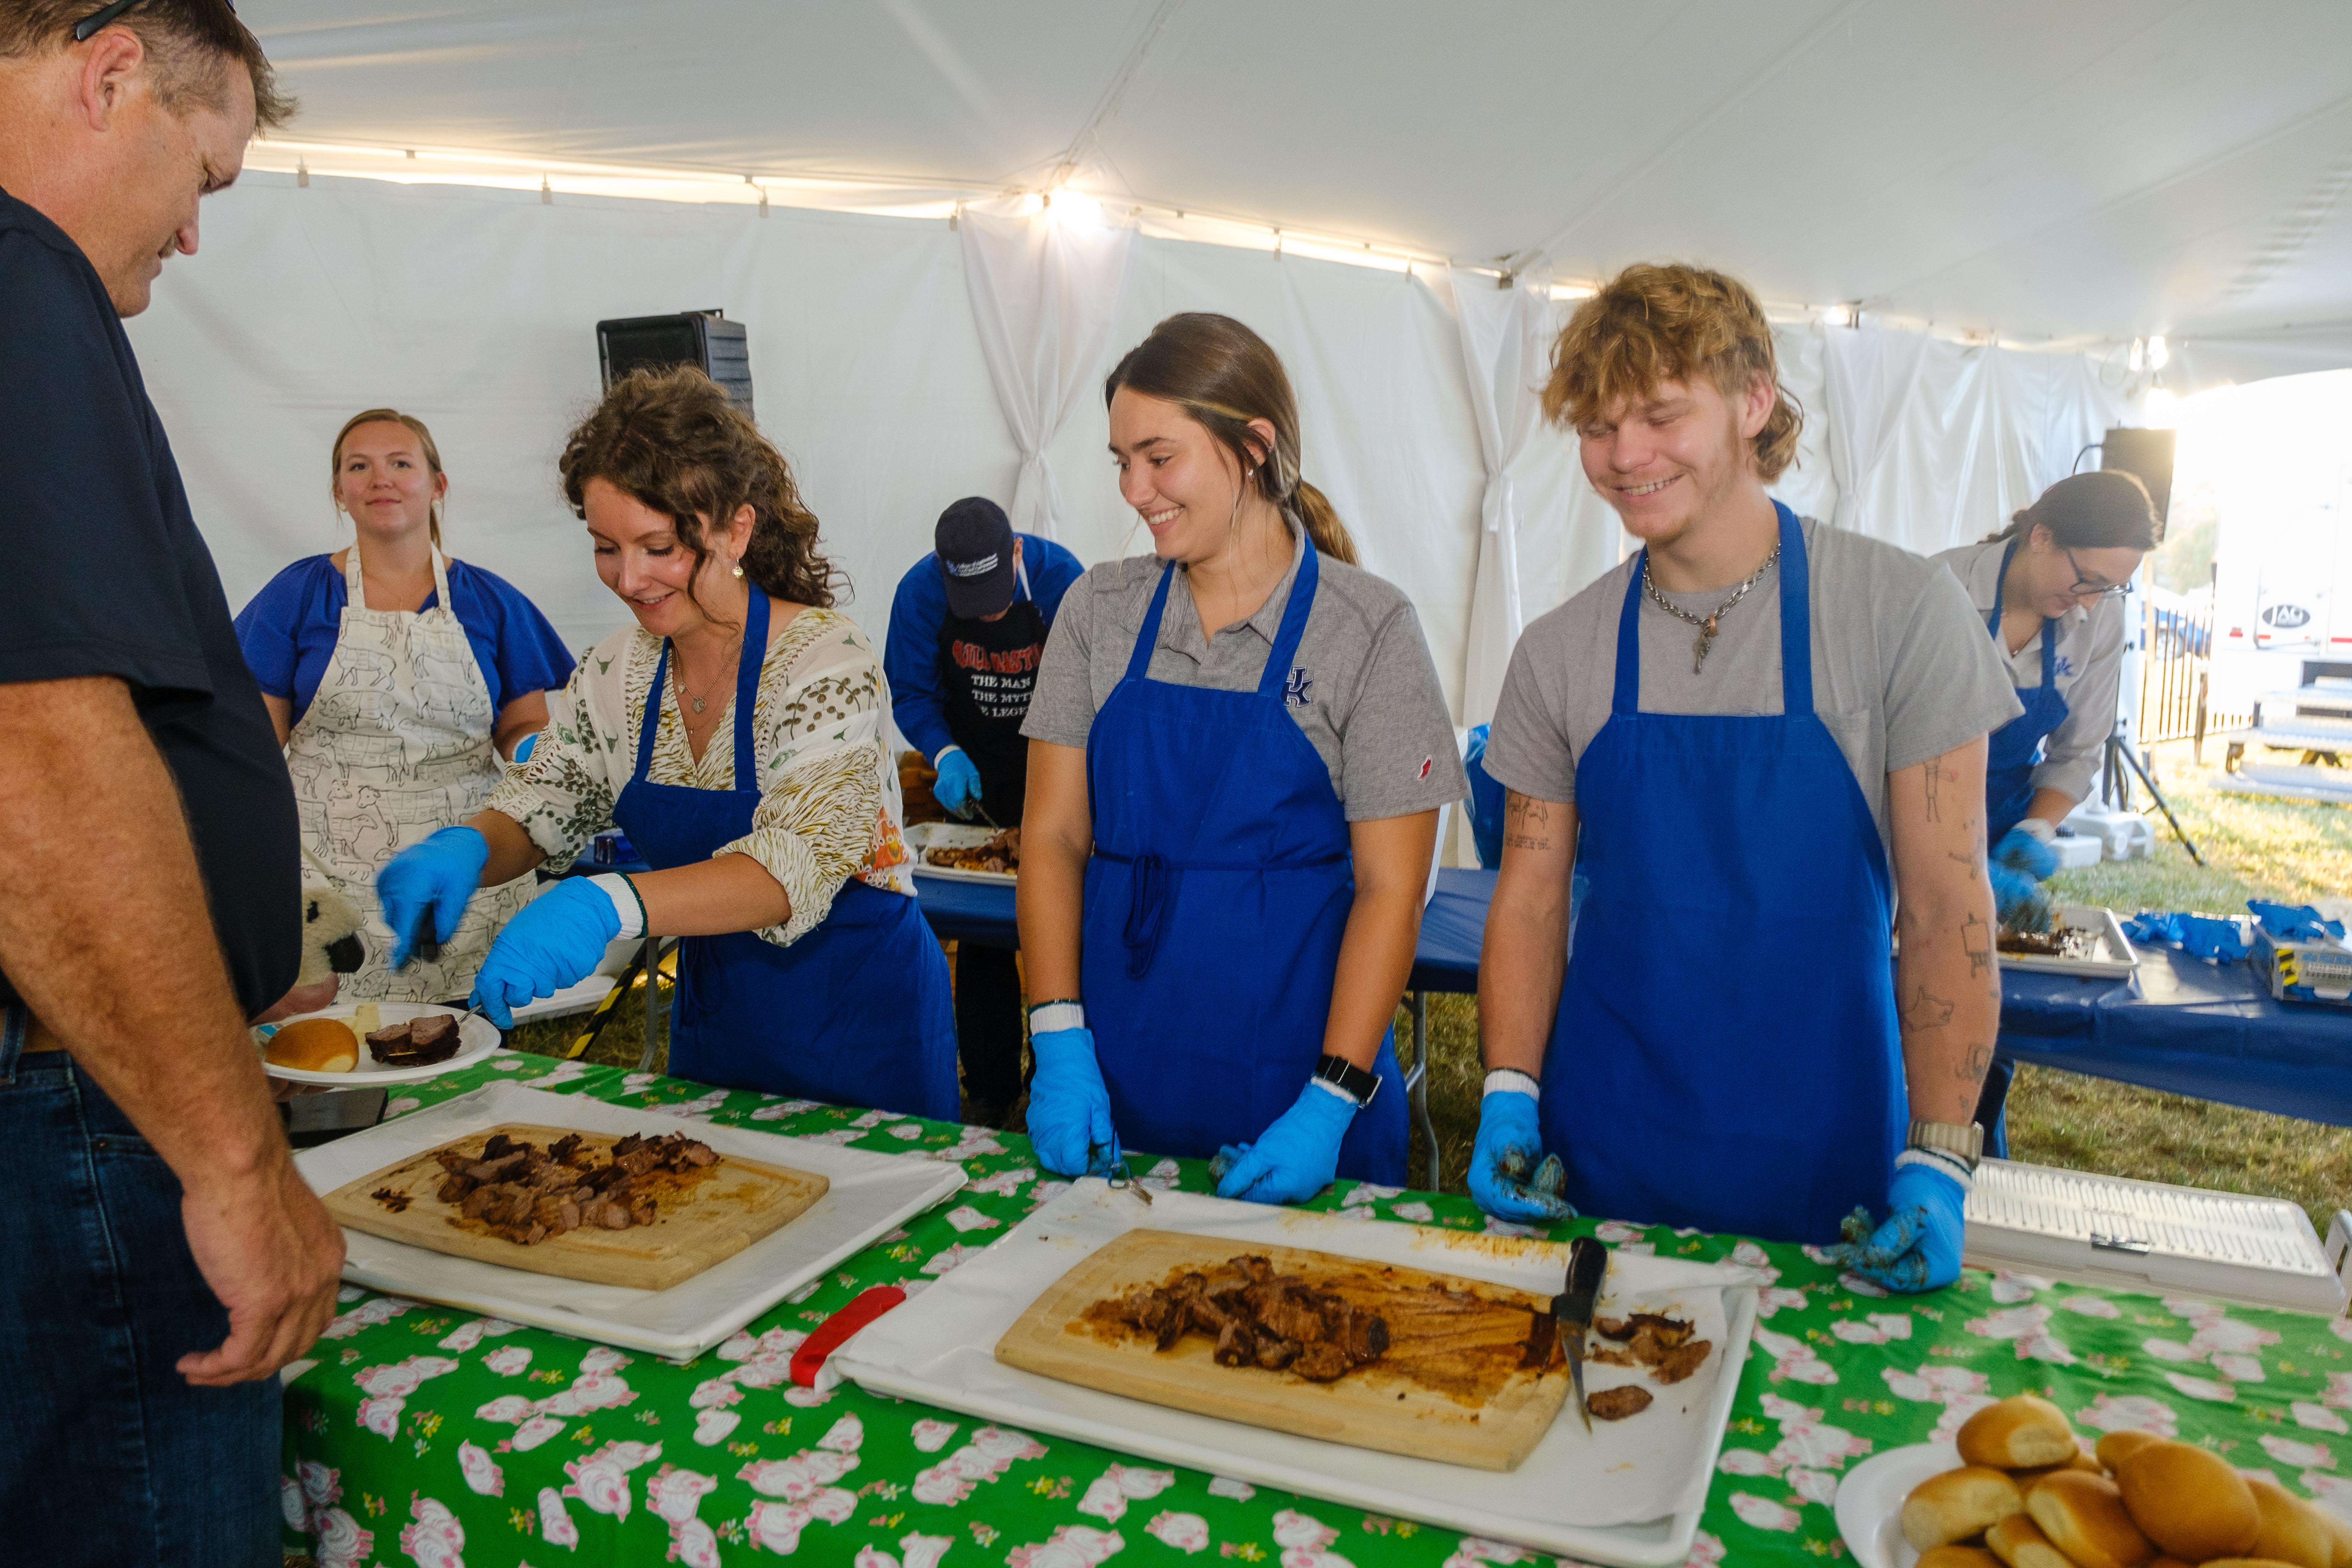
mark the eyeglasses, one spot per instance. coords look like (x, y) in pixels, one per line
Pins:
(2085, 588)
(90, 26)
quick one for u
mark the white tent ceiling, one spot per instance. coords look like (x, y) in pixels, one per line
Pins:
(2077, 170)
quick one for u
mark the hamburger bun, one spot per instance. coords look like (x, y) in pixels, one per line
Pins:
(2190, 1502)
(2018, 1542)
(1958, 1557)
(2248, 1562)
(2340, 1534)
(2020, 1432)
(2083, 1516)
(2291, 1530)
(2118, 1446)
(1957, 1505)
(314, 1045)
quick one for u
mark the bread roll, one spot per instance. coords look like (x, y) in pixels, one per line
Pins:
(1956, 1505)
(2118, 1446)
(2248, 1562)
(1958, 1556)
(2291, 1530)
(2018, 1541)
(2083, 1462)
(2083, 1517)
(2020, 1432)
(2340, 1534)
(2188, 1501)
(315, 1044)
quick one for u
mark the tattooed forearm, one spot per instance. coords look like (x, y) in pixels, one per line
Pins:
(1978, 1063)
(1927, 1011)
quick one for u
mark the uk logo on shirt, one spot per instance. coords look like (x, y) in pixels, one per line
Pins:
(1295, 690)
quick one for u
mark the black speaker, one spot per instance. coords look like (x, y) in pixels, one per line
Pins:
(705, 339)
(2147, 456)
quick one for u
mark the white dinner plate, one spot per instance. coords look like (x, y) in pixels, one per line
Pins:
(924, 837)
(1870, 1501)
(477, 1037)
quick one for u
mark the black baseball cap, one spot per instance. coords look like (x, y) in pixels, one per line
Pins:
(974, 549)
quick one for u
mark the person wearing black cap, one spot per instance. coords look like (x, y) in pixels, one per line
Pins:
(967, 629)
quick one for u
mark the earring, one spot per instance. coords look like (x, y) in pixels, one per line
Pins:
(739, 566)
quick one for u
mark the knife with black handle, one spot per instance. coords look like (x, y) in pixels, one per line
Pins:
(1571, 1310)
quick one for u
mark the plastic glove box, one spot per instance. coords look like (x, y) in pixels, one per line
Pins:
(2304, 971)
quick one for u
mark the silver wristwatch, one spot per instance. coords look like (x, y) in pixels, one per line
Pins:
(1964, 1144)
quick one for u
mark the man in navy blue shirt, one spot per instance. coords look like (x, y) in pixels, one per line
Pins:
(967, 629)
(160, 1257)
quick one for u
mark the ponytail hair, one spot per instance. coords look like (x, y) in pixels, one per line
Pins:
(2107, 508)
(1224, 375)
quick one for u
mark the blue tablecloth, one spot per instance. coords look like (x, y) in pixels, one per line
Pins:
(1446, 958)
(2185, 1026)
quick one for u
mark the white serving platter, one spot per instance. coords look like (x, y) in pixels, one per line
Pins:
(924, 837)
(477, 1037)
(871, 1195)
(1870, 1501)
(1628, 1493)
(2116, 956)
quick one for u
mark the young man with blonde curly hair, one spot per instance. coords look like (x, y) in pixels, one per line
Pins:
(1752, 720)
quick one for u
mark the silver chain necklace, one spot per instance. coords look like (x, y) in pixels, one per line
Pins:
(1705, 624)
(698, 703)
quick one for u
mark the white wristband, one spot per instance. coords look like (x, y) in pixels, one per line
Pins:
(2035, 829)
(943, 754)
(625, 903)
(1326, 1085)
(1054, 1017)
(1506, 1080)
(1951, 1165)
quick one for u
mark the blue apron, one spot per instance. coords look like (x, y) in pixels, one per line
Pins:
(2015, 749)
(1726, 1053)
(857, 1012)
(1215, 899)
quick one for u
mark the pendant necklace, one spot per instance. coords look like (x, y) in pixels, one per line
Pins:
(697, 704)
(1707, 623)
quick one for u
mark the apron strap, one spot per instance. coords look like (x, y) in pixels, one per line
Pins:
(651, 719)
(2049, 637)
(1796, 628)
(747, 666)
(1285, 651)
(1796, 618)
(352, 589)
(440, 581)
(1146, 641)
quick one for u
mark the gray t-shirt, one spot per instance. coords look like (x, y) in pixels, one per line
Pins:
(1902, 670)
(1364, 689)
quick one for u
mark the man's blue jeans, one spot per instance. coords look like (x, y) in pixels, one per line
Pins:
(108, 1456)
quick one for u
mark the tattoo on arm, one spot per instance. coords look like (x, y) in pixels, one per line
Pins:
(1927, 1011)
(1976, 941)
(1934, 810)
(1525, 822)
(1979, 1063)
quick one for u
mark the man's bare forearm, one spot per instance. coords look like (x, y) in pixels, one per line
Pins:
(1946, 981)
(1523, 958)
(105, 933)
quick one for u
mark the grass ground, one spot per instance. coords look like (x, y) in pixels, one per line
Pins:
(2253, 847)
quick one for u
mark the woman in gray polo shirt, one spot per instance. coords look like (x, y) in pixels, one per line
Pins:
(1228, 832)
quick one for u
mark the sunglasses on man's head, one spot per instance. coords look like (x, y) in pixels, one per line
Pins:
(88, 27)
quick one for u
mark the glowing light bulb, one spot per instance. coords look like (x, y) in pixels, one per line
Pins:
(2159, 356)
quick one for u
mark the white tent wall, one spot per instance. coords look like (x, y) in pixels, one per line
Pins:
(474, 309)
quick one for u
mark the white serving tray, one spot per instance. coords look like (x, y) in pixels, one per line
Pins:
(871, 1195)
(476, 1039)
(926, 835)
(2118, 958)
(1628, 1493)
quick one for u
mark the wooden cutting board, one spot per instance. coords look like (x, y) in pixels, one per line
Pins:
(701, 1218)
(1452, 1386)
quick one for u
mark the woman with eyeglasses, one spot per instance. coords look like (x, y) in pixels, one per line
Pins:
(2050, 588)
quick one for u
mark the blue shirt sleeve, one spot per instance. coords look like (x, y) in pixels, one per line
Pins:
(518, 649)
(1051, 570)
(910, 658)
(288, 630)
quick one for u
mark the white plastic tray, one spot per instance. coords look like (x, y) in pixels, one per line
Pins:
(871, 1195)
(2118, 958)
(929, 836)
(1627, 1493)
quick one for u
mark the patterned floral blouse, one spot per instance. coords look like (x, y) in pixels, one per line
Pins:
(829, 807)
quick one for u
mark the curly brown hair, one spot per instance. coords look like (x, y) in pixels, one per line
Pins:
(672, 440)
(1657, 323)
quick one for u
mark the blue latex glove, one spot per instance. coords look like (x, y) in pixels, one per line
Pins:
(1510, 1175)
(522, 752)
(958, 785)
(1070, 1109)
(2020, 902)
(2019, 850)
(554, 941)
(1296, 1156)
(2294, 922)
(440, 873)
(1918, 1247)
